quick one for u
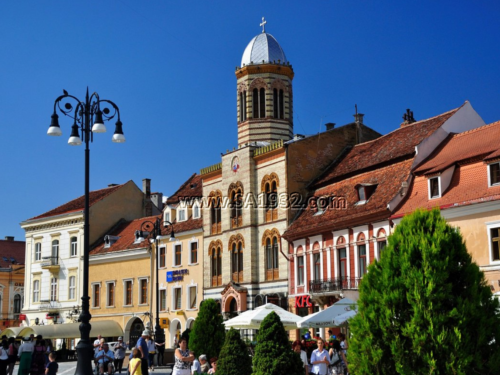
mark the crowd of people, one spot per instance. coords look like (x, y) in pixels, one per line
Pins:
(322, 361)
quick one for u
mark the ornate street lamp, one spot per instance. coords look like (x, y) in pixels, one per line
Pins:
(153, 232)
(89, 119)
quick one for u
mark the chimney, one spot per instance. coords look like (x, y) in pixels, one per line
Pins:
(157, 199)
(408, 118)
(146, 187)
(358, 118)
(9, 238)
(330, 126)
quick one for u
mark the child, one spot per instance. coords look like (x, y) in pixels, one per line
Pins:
(52, 366)
(134, 366)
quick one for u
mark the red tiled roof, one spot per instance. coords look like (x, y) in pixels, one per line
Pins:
(388, 180)
(192, 188)
(400, 143)
(481, 142)
(79, 203)
(11, 249)
(126, 232)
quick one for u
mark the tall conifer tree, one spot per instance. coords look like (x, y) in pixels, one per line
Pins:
(425, 308)
(273, 353)
(207, 335)
(234, 358)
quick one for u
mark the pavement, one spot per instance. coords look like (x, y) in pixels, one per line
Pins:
(69, 368)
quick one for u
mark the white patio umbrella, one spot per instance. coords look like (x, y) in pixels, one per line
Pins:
(342, 318)
(326, 318)
(252, 319)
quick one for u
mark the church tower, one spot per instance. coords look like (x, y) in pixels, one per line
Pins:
(264, 89)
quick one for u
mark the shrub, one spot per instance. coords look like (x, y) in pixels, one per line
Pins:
(234, 358)
(207, 334)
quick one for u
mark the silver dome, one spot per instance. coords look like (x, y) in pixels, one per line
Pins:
(263, 49)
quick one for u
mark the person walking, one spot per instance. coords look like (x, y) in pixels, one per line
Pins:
(38, 360)
(12, 355)
(320, 360)
(339, 367)
(151, 353)
(4, 357)
(120, 349)
(134, 365)
(142, 346)
(52, 366)
(25, 353)
(183, 359)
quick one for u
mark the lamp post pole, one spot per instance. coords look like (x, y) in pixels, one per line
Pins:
(155, 234)
(84, 114)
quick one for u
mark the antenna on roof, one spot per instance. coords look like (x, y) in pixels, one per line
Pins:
(356, 108)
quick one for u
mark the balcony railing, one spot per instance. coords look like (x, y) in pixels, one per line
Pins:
(50, 261)
(333, 285)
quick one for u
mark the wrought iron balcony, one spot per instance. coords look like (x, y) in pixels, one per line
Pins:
(333, 285)
(51, 263)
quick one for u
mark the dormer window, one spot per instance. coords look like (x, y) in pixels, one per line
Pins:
(494, 174)
(365, 191)
(182, 214)
(110, 240)
(434, 187)
(167, 216)
(196, 211)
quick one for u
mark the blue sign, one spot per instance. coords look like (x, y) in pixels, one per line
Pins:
(176, 275)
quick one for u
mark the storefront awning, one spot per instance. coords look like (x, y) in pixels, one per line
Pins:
(12, 331)
(106, 328)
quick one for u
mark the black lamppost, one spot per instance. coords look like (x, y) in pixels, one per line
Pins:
(84, 114)
(153, 232)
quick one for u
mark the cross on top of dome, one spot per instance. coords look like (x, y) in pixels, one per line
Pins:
(263, 24)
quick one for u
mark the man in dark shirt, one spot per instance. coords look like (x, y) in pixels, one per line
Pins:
(142, 345)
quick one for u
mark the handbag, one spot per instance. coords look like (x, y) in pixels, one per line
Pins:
(335, 360)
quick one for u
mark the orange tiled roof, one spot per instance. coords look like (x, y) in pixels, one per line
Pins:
(388, 180)
(482, 142)
(400, 143)
(79, 203)
(126, 233)
(11, 252)
(192, 188)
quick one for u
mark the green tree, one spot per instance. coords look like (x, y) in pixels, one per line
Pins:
(273, 352)
(234, 358)
(185, 335)
(207, 334)
(425, 308)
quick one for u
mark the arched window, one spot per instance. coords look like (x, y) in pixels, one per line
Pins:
(262, 105)
(17, 304)
(243, 106)
(215, 254)
(271, 242)
(255, 103)
(381, 242)
(215, 200)
(259, 103)
(269, 187)
(236, 245)
(362, 263)
(281, 105)
(236, 204)
(278, 105)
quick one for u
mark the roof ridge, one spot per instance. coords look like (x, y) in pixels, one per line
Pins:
(480, 128)
(183, 185)
(410, 125)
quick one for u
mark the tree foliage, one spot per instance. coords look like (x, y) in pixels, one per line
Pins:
(185, 335)
(425, 308)
(273, 352)
(207, 334)
(234, 358)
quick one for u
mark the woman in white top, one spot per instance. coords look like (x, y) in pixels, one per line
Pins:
(25, 353)
(297, 348)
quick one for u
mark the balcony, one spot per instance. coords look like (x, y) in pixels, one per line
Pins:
(51, 264)
(331, 286)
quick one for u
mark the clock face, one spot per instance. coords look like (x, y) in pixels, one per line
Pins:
(235, 164)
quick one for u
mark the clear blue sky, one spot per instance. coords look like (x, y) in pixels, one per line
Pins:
(169, 65)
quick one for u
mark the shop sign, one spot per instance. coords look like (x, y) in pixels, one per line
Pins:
(176, 275)
(164, 322)
(303, 301)
(22, 316)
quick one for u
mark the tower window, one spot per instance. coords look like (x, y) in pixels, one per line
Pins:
(278, 105)
(262, 103)
(243, 106)
(259, 103)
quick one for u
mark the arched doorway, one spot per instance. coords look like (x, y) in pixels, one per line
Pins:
(233, 308)
(175, 332)
(135, 327)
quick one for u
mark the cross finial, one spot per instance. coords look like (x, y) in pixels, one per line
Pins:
(263, 24)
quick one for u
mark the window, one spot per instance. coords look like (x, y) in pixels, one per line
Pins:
(494, 174)
(194, 252)
(361, 193)
(196, 211)
(163, 299)
(381, 244)
(237, 261)
(343, 267)
(74, 247)
(243, 106)
(111, 294)
(269, 187)
(215, 254)
(236, 207)
(162, 255)
(362, 260)
(215, 212)
(259, 103)
(36, 291)
(192, 297)
(167, 216)
(128, 292)
(365, 191)
(177, 254)
(177, 298)
(495, 243)
(17, 304)
(38, 251)
(182, 214)
(143, 285)
(55, 251)
(53, 289)
(96, 295)
(300, 270)
(72, 287)
(278, 105)
(434, 188)
(317, 266)
(272, 266)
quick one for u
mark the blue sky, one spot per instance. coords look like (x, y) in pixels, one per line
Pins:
(169, 66)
